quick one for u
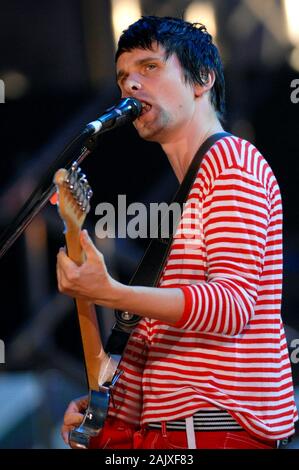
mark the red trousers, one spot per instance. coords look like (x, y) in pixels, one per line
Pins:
(116, 434)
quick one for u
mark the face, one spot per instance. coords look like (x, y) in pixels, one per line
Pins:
(167, 100)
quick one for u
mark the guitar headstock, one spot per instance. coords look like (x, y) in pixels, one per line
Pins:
(74, 194)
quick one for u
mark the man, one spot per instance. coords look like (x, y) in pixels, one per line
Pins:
(207, 366)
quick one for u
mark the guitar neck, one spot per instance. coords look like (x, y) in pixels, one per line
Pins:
(99, 367)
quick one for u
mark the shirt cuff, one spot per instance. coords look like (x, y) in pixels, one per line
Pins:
(187, 309)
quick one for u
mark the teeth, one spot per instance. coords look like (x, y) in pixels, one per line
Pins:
(146, 107)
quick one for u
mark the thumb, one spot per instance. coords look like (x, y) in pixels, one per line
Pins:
(87, 244)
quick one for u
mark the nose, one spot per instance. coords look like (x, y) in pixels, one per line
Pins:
(132, 84)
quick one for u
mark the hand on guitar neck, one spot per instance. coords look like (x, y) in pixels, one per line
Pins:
(89, 279)
(73, 201)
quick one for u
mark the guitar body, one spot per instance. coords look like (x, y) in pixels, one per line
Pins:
(93, 420)
(74, 195)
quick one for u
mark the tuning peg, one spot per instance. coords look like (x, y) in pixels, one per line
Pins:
(89, 192)
(86, 206)
(80, 197)
(74, 187)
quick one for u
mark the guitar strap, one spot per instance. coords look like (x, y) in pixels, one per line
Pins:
(150, 267)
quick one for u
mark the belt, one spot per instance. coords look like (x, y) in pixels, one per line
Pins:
(203, 420)
(283, 443)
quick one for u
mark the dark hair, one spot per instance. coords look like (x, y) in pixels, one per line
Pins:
(189, 41)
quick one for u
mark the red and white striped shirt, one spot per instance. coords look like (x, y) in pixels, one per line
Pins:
(228, 350)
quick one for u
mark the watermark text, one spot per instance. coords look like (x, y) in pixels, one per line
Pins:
(295, 353)
(2, 92)
(295, 93)
(137, 221)
(2, 352)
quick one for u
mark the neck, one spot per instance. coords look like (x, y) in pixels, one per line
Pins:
(181, 149)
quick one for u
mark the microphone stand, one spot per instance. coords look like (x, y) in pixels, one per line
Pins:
(46, 188)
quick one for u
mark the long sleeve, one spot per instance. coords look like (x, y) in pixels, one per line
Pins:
(235, 215)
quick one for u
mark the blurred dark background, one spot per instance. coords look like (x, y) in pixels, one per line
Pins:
(57, 65)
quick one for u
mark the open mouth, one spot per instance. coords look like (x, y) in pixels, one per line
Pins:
(146, 107)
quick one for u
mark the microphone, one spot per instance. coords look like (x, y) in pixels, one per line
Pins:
(128, 109)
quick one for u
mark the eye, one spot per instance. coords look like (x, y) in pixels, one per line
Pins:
(150, 66)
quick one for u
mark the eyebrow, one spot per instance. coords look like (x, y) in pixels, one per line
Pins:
(121, 73)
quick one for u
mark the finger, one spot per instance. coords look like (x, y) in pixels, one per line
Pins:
(73, 407)
(65, 434)
(64, 261)
(77, 405)
(82, 403)
(87, 244)
(73, 419)
(58, 276)
(67, 272)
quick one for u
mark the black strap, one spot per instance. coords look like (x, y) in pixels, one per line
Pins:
(150, 267)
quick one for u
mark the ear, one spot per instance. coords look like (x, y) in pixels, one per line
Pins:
(200, 90)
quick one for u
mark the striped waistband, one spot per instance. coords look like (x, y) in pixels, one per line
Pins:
(203, 420)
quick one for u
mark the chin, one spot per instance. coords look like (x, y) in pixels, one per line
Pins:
(150, 134)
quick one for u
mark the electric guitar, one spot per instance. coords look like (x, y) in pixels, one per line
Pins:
(74, 195)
